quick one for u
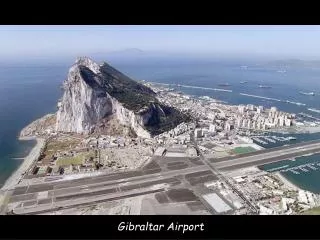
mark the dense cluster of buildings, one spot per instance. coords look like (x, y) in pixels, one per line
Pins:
(268, 193)
(222, 117)
(179, 135)
(217, 121)
(258, 118)
(221, 126)
(273, 197)
(217, 128)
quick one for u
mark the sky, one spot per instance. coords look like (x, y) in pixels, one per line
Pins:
(274, 41)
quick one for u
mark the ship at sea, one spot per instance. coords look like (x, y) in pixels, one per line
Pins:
(307, 93)
(224, 85)
(314, 110)
(264, 86)
(242, 82)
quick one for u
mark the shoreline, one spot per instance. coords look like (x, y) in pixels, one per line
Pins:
(18, 174)
(297, 130)
(287, 182)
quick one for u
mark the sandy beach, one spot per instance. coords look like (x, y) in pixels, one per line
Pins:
(14, 179)
(287, 182)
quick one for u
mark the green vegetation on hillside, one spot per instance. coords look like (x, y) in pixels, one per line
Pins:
(163, 123)
(135, 97)
(132, 94)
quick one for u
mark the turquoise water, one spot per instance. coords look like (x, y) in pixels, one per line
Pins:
(301, 137)
(29, 92)
(307, 179)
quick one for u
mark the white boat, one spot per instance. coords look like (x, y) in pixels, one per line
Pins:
(291, 138)
(312, 167)
(307, 93)
(293, 171)
(303, 169)
(264, 86)
(314, 110)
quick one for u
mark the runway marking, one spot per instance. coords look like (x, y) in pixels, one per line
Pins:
(136, 178)
(150, 177)
(70, 204)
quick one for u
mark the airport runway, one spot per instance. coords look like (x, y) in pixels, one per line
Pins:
(267, 150)
(155, 177)
(93, 190)
(267, 157)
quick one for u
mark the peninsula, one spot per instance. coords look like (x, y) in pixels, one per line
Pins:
(120, 146)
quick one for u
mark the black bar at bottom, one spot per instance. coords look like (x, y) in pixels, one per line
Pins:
(182, 227)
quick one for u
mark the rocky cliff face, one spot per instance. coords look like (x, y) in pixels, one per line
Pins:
(83, 103)
(93, 92)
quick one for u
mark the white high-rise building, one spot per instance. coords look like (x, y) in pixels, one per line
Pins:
(239, 122)
(273, 109)
(244, 123)
(281, 121)
(288, 122)
(250, 107)
(241, 109)
(222, 114)
(204, 131)
(270, 120)
(254, 124)
(212, 128)
(227, 127)
(258, 125)
(198, 132)
(270, 114)
(211, 116)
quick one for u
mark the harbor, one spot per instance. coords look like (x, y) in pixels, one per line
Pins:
(265, 140)
(301, 171)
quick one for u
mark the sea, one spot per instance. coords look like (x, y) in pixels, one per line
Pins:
(29, 91)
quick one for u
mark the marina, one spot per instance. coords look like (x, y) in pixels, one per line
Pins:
(293, 171)
(303, 168)
(269, 139)
(259, 140)
(264, 140)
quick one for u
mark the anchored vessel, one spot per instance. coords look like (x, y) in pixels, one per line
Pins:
(307, 93)
(264, 86)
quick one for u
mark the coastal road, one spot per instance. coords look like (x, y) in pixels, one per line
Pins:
(54, 195)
